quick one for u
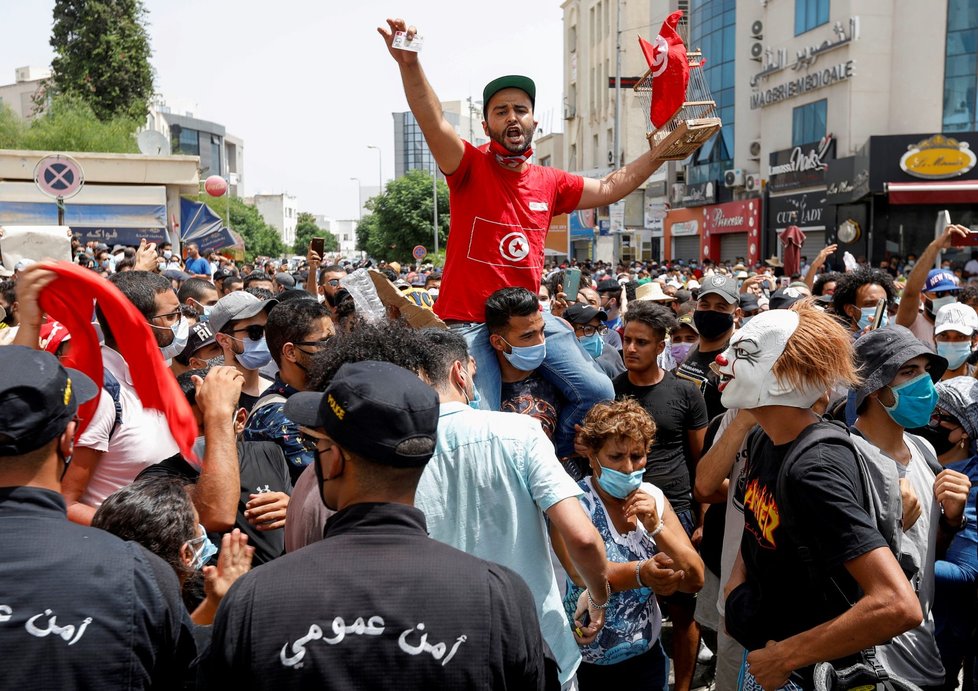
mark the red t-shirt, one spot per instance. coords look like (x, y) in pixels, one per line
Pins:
(499, 222)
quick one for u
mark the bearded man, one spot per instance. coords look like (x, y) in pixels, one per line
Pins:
(815, 581)
(501, 210)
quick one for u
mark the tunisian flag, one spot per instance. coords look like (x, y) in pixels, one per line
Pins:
(68, 299)
(670, 70)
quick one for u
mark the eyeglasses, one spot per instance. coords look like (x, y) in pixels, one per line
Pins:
(321, 343)
(256, 332)
(176, 315)
(591, 330)
(335, 282)
(937, 418)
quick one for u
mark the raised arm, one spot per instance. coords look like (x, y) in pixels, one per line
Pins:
(818, 264)
(445, 144)
(619, 184)
(715, 465)
(910, 300)
(219, 485)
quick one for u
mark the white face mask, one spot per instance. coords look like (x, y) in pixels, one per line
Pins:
(181, 333)
(750, 361)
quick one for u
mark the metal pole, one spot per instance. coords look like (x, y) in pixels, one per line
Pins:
(617, 85)
(434, 199)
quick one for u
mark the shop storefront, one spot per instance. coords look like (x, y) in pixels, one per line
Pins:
(848, 204)
(681, 234)
(731, 231)
(580, 226)
(808, 211)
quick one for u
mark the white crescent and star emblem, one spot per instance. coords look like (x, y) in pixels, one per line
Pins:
(514, 247)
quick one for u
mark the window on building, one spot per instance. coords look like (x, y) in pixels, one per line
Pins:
(185, 140)
(713, 27)
(808, 122)
(961, 67)
(809, 14)
(572, 155)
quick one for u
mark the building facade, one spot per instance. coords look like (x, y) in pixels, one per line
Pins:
(830, 124)
(410, 149)
(279, 211)
(20, 95)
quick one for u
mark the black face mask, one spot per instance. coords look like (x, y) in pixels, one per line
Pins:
(937, 436)
(712, 324)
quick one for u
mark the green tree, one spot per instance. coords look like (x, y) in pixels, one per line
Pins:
(101, 55)
(306, 229)
(68, 124)
(260, 239)
(401, 218)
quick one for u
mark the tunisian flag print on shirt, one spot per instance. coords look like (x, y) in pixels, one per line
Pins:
(499, 223)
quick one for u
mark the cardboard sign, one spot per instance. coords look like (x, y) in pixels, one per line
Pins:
(36, 243)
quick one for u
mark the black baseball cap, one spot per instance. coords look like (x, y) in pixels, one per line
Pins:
(509, 81)
(582, 313)
(608, 285)
(38, 398)
(372, 408)
(748, 302)
(784, 298)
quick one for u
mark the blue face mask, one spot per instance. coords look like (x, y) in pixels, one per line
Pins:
(526, 358)
(593, 345)
(915, 401)
(203, 548)
(618, 484)
(256, 354)
(866, 315)
(954, 353)
(475, 401)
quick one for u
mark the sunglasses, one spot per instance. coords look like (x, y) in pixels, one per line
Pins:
(314, 344)
(937, 418)
(255, 332)
(334, 282)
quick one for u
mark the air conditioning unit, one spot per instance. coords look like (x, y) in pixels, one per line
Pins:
(678, 192)
(752, 183)
(756, 51)
(757, 29)
(611, 157)
(755, 150)
(733, 178)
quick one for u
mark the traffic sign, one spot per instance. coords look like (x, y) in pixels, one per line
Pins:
(419, 252)
(59, 176)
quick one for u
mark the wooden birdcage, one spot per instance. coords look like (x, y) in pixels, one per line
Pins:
(692, 125)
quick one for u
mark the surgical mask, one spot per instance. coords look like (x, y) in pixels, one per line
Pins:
(866, 315)
(181, 333)
(204, 552)
(915, 401)
(433, 292)
(167, 254)
(545, 305)
(954, 353)
(204, 310)
(711, 324)
(593, 345)
(934, 306)
(679, 351)
(476, 401)
(526, 358)
(256, 354)
(618, 484)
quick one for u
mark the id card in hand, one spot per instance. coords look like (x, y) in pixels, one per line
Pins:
(401, 42)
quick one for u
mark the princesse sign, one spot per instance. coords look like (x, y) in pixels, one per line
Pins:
(938, 158)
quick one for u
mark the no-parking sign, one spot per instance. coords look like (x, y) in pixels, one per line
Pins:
(419, 252)
(59, 176)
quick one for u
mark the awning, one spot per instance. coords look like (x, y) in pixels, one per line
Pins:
(953, 192)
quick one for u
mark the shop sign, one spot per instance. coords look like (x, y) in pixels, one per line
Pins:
(680, 228)
(938, 158)
(807, 211)
(802, 166)
(732, 217)
(700, 194)
(847, 180)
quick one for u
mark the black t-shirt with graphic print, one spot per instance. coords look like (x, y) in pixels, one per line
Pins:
(696, 368)
(533, 396)
(795, 560)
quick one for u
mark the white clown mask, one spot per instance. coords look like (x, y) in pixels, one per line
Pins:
(746, 367)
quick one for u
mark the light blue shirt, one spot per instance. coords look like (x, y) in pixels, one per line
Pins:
(484, 492)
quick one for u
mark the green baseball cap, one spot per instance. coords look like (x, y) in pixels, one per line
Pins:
(509, 81)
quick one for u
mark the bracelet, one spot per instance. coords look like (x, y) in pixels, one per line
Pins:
(592, 603)
(658, 528)
(638, 573)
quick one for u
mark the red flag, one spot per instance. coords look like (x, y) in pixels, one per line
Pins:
(69, 300)
(670, 70)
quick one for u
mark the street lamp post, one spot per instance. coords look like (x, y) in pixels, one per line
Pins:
(359, 198)
(434, 195)
(380, 168)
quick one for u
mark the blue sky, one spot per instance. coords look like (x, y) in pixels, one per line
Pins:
(309, 84)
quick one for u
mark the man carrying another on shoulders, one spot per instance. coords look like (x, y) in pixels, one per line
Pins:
(501, 210)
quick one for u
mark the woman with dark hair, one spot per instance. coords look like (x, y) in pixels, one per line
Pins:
(159, 515)
(648, 552)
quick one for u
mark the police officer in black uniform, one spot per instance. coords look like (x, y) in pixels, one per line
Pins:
(377, 604)
(79, 608)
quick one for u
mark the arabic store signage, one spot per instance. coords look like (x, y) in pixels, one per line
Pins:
(805, 59)
(802, 166)
(732, 217)
(938, 158)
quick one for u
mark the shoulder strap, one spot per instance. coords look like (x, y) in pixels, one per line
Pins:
(111, 384)
(926, 453)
